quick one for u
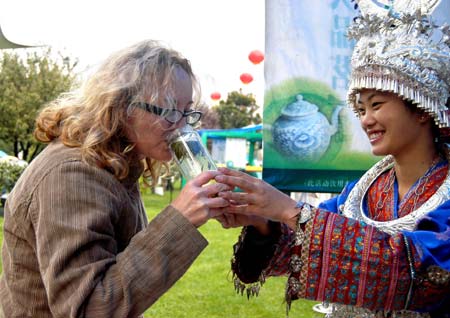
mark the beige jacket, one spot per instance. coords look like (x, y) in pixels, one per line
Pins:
(77, 243)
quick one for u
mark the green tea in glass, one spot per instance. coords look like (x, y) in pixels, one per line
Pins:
(189, 153)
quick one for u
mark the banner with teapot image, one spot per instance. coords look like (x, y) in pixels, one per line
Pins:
(313, 141)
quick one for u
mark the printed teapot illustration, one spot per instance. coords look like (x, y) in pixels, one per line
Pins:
(302, 132)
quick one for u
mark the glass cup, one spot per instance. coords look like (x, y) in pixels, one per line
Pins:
(189, 153)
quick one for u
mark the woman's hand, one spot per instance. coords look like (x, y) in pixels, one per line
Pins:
(231, 220)
(258, 198)
(198, 200)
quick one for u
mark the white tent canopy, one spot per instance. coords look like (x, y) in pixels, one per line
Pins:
(6, 44)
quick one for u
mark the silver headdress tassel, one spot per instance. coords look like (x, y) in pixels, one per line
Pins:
(399, 49)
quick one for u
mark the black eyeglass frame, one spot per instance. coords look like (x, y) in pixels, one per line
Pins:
(190, 115)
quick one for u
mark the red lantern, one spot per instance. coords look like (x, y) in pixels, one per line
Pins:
(246, 78)
(215, 96)
(256, 56)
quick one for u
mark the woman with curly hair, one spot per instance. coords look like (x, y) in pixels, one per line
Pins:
(76, 238)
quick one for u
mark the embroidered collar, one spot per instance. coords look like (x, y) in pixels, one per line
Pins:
(353, 207)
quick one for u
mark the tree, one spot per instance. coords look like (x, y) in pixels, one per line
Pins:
(210, 118)
(27, 84)
(237, 111)
(9, 174)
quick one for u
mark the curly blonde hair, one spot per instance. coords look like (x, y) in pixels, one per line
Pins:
(94, 118)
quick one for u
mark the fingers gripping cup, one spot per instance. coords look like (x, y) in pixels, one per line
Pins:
(189, 153)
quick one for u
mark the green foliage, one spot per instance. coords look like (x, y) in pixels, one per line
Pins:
(9, 174)
(26, 84)
(237, 111)
(1, 235)
(210, 118)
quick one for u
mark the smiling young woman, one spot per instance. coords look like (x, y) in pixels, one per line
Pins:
(381, 247)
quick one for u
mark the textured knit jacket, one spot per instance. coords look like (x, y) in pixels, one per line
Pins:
(77, 242)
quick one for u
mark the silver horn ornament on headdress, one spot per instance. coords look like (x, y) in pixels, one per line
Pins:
(400, 49)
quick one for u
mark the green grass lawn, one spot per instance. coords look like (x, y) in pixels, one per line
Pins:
(206, 290)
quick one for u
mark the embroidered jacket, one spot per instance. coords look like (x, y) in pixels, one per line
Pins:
(349, 262)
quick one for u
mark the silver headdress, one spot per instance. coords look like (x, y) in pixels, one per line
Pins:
(399, 49)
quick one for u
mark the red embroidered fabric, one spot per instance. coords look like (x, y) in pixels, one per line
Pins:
(352, 263)
(381, 195)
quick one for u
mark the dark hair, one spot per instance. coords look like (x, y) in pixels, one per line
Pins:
(441, 135)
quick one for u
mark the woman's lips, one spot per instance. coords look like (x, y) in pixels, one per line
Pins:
(375, 136)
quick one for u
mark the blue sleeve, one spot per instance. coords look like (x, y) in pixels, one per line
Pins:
(333, 204)
(432, 237)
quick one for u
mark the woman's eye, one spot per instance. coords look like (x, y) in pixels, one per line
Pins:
(376, 104)
(361, 111)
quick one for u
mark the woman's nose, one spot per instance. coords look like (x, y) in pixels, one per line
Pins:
(367, 119)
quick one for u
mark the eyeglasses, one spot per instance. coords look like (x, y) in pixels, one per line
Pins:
(172, 115)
